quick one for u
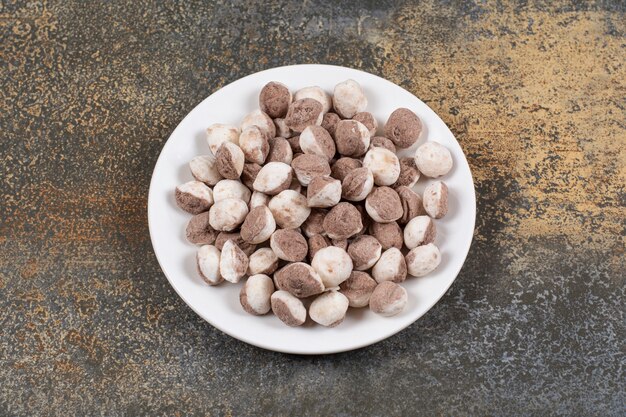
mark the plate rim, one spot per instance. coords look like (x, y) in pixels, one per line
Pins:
(262, 344)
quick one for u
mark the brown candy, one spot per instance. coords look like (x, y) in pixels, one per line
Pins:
(303, 113)
(329, 122)
(294, 142)
(222, 237)
(368, 120)
(317, 141)
(280, 151)
(358, 184)
(388, 234)
(384, 205)
(317, 242)
(343, 166)
(288, 308)
(249, 173)
(342, 221)
(230, 160)
(289, 245)
(274, 99)
(358, 288)
(382, 142)
(411, 204)
(307, 167)
(340, 243)
(199, 231)
(403, 127)
(314, 224)
(365, 219)
(365, 252)
(299, 279)
(323, 192)
(194, 197)
(409, 174)
(258, 226)
(352, 138)
(388, 299)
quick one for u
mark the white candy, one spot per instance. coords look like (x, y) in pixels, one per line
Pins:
(228, 214)
(289, 208)
(262, 121)
(259, 217)
(384, 164)
(256, 293)
(203, 169)
(323, 192)
(316, 93)
(258, 199)
(254, 144)
(433, 159)
(349, 99)
(273, 178)
(317, 141)
(390, 267)
(233, 262)
(419, 231)
(288, 308)
(388, 299)
(357, 185)
(280, 151)
(333, 265)
(423, 260)
(352, 138)
(231, 189)
(262, 261)
(282, 129)
(208, 260)
(329, 309)
(435, 199)
(230, 160)
(365, 251)
(219, 133)
(194, 197)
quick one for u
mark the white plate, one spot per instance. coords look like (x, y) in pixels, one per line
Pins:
(220, 305)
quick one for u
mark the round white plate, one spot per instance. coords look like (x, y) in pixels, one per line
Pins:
(220, 305)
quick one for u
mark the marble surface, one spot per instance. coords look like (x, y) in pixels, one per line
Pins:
(535, 93)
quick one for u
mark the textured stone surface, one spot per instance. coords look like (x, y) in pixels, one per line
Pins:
(534, 91)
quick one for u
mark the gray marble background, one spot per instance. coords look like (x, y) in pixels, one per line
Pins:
(534, 92)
